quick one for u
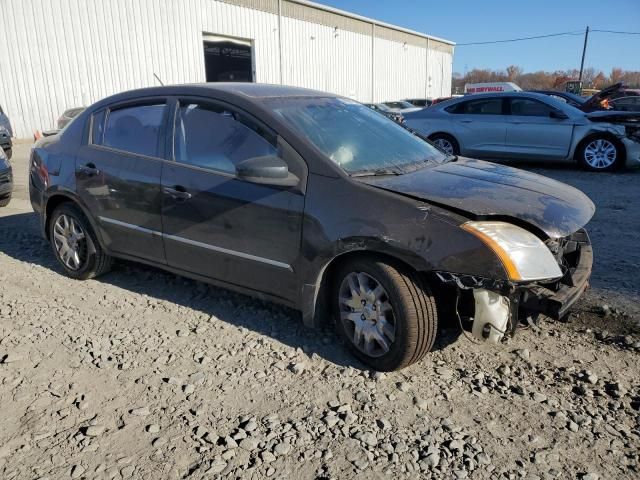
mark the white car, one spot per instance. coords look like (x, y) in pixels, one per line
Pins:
(401, 107)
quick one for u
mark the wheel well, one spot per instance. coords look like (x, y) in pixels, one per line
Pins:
(606, 135)
(443, 134)
(323, 310)
(53, 203)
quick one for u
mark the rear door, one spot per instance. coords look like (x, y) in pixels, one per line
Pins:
(118, 176)
(217, 225)
(480, 126)
(533, 133)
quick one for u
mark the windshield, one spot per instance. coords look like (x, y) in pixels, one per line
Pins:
(355, 137)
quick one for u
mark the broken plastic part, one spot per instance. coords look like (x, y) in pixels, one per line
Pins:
(491, 315)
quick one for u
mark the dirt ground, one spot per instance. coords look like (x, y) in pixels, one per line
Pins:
(142, 374)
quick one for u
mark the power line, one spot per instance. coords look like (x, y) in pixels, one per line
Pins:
(574, 33)
(615, 31)
(579, 32)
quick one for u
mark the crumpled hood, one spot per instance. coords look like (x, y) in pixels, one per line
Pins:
(484, 190)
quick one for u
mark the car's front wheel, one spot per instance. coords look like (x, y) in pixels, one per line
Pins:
(446, 143)
(5, 201)
(385, 313)
(600, 154)
(75, 244)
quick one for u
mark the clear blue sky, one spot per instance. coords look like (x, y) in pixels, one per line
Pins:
(465, 21)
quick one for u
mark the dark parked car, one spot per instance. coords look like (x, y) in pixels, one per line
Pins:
(316, 202)
(603, 99)
(6, 145)
(69, 115)
(567, 97)
(625, 104)
(5, 133)
(6, 180)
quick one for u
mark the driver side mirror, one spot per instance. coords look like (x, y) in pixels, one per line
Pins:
(558, 115)
(266, 170)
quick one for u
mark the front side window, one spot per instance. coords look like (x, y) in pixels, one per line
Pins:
(485, 106)
(135, 129)
(529, 108)
(353, 136)
(216, 138)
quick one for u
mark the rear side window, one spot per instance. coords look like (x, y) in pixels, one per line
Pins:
(216, 138)
(135, 129)
(485, 106)
(97, 127)
(529, 108)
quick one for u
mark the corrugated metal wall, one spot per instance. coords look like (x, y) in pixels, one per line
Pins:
(65, 53)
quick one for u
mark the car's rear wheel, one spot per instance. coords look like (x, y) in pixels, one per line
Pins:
(385, 313)
(446, 143)
(5, 201)
(600, 154)
(75, 244)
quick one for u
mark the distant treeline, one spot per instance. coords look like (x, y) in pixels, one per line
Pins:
(591, 78)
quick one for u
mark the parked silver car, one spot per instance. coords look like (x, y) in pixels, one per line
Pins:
(529, 126)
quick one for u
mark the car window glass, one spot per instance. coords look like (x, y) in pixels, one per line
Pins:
(355, 137)
(97, 127)
(216, 138)
(486, 106)
(529, 108)
(135, 129)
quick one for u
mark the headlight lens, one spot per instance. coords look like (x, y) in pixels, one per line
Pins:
(523, 255)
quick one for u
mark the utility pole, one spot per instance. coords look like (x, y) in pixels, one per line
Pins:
(584, 50)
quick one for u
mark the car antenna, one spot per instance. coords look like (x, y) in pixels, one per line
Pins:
(158, 78)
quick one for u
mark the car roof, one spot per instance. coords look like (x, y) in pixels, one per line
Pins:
(238, 89)
(538, 96)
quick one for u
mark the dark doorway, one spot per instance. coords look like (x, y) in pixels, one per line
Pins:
(227, 60)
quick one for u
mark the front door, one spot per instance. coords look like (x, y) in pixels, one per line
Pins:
(533, 134)
(118, 177)
(216, 225)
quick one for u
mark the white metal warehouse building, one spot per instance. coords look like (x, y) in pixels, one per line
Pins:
(59, 54)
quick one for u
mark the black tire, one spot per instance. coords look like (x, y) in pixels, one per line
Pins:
(414, 312)
(587, 163)
(94, 262)
(443, 137)
(5, 201)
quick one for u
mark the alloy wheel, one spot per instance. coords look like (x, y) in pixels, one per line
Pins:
(444, 145)
(70, 242)
(366, 314)
(600, 154)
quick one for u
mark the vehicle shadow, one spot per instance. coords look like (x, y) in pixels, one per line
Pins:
(20, 239)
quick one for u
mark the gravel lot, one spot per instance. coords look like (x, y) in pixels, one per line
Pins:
(142, 374)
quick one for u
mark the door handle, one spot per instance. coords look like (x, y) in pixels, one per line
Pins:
(89, 169)
(178, 192)
(466, 121)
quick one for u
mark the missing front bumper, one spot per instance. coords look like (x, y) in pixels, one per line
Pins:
(556, 300)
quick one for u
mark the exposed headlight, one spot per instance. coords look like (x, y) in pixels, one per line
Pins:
(523, 255)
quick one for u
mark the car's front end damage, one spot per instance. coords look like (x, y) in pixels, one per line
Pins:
(625, 126)
(518, 249)
(481, 299)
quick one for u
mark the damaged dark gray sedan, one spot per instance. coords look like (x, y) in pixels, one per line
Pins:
(316, 202)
